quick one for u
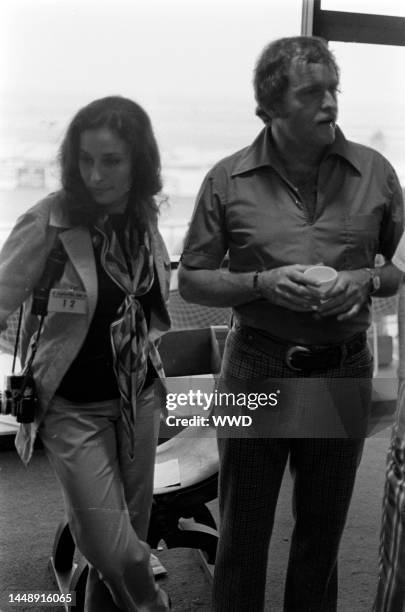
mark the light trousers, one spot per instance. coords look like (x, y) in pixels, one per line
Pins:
(108, 497)
(391, 584)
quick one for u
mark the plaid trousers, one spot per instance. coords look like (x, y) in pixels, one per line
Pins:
(251, 471)
(391, 585)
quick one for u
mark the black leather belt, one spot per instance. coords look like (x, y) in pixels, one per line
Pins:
(306, 357)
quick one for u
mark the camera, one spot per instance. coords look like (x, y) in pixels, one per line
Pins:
(19, 398)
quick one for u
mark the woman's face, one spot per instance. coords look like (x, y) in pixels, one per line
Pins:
(105, 167)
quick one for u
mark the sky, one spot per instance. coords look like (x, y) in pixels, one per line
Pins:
(154, 47)
(57, 55)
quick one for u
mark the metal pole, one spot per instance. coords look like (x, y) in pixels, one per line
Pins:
(307, 19)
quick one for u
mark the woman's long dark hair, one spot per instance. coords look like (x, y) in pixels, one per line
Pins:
(131, 123)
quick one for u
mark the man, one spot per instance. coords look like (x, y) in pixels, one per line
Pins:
(301, 194)
(391, 585)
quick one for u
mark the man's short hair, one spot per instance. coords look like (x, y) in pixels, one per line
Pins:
(271, 78)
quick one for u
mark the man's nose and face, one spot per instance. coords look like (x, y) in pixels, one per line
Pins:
(309, 109)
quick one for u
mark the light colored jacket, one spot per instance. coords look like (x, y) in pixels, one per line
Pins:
(22, 261)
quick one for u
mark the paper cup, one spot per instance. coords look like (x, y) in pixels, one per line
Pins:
(324, 275)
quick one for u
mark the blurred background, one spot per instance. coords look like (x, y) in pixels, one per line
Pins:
(190, 65)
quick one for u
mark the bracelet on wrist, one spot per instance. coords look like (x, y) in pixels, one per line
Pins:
(256, 288)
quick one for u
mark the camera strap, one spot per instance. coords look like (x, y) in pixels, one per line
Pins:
(53, 270)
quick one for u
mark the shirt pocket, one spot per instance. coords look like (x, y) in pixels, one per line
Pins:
(361, 236)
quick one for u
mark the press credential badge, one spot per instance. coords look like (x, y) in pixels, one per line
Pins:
(69, 301)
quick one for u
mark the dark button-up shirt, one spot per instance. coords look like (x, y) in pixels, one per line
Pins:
(248, 208)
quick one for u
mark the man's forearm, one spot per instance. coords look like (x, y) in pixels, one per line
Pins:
(390, 278)
(219, 288)
(223, 288)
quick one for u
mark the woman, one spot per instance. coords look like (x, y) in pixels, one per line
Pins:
(97, 358)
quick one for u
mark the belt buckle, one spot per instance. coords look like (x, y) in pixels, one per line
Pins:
(290, 354)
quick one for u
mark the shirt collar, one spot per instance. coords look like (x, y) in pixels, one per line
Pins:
(344, 148)
(262, 152)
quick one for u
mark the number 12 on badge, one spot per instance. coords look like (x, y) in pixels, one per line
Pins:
(74, 302)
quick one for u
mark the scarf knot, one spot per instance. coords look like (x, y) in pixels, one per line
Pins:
(131, 347)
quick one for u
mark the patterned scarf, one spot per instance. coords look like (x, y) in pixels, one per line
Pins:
(131, 268)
